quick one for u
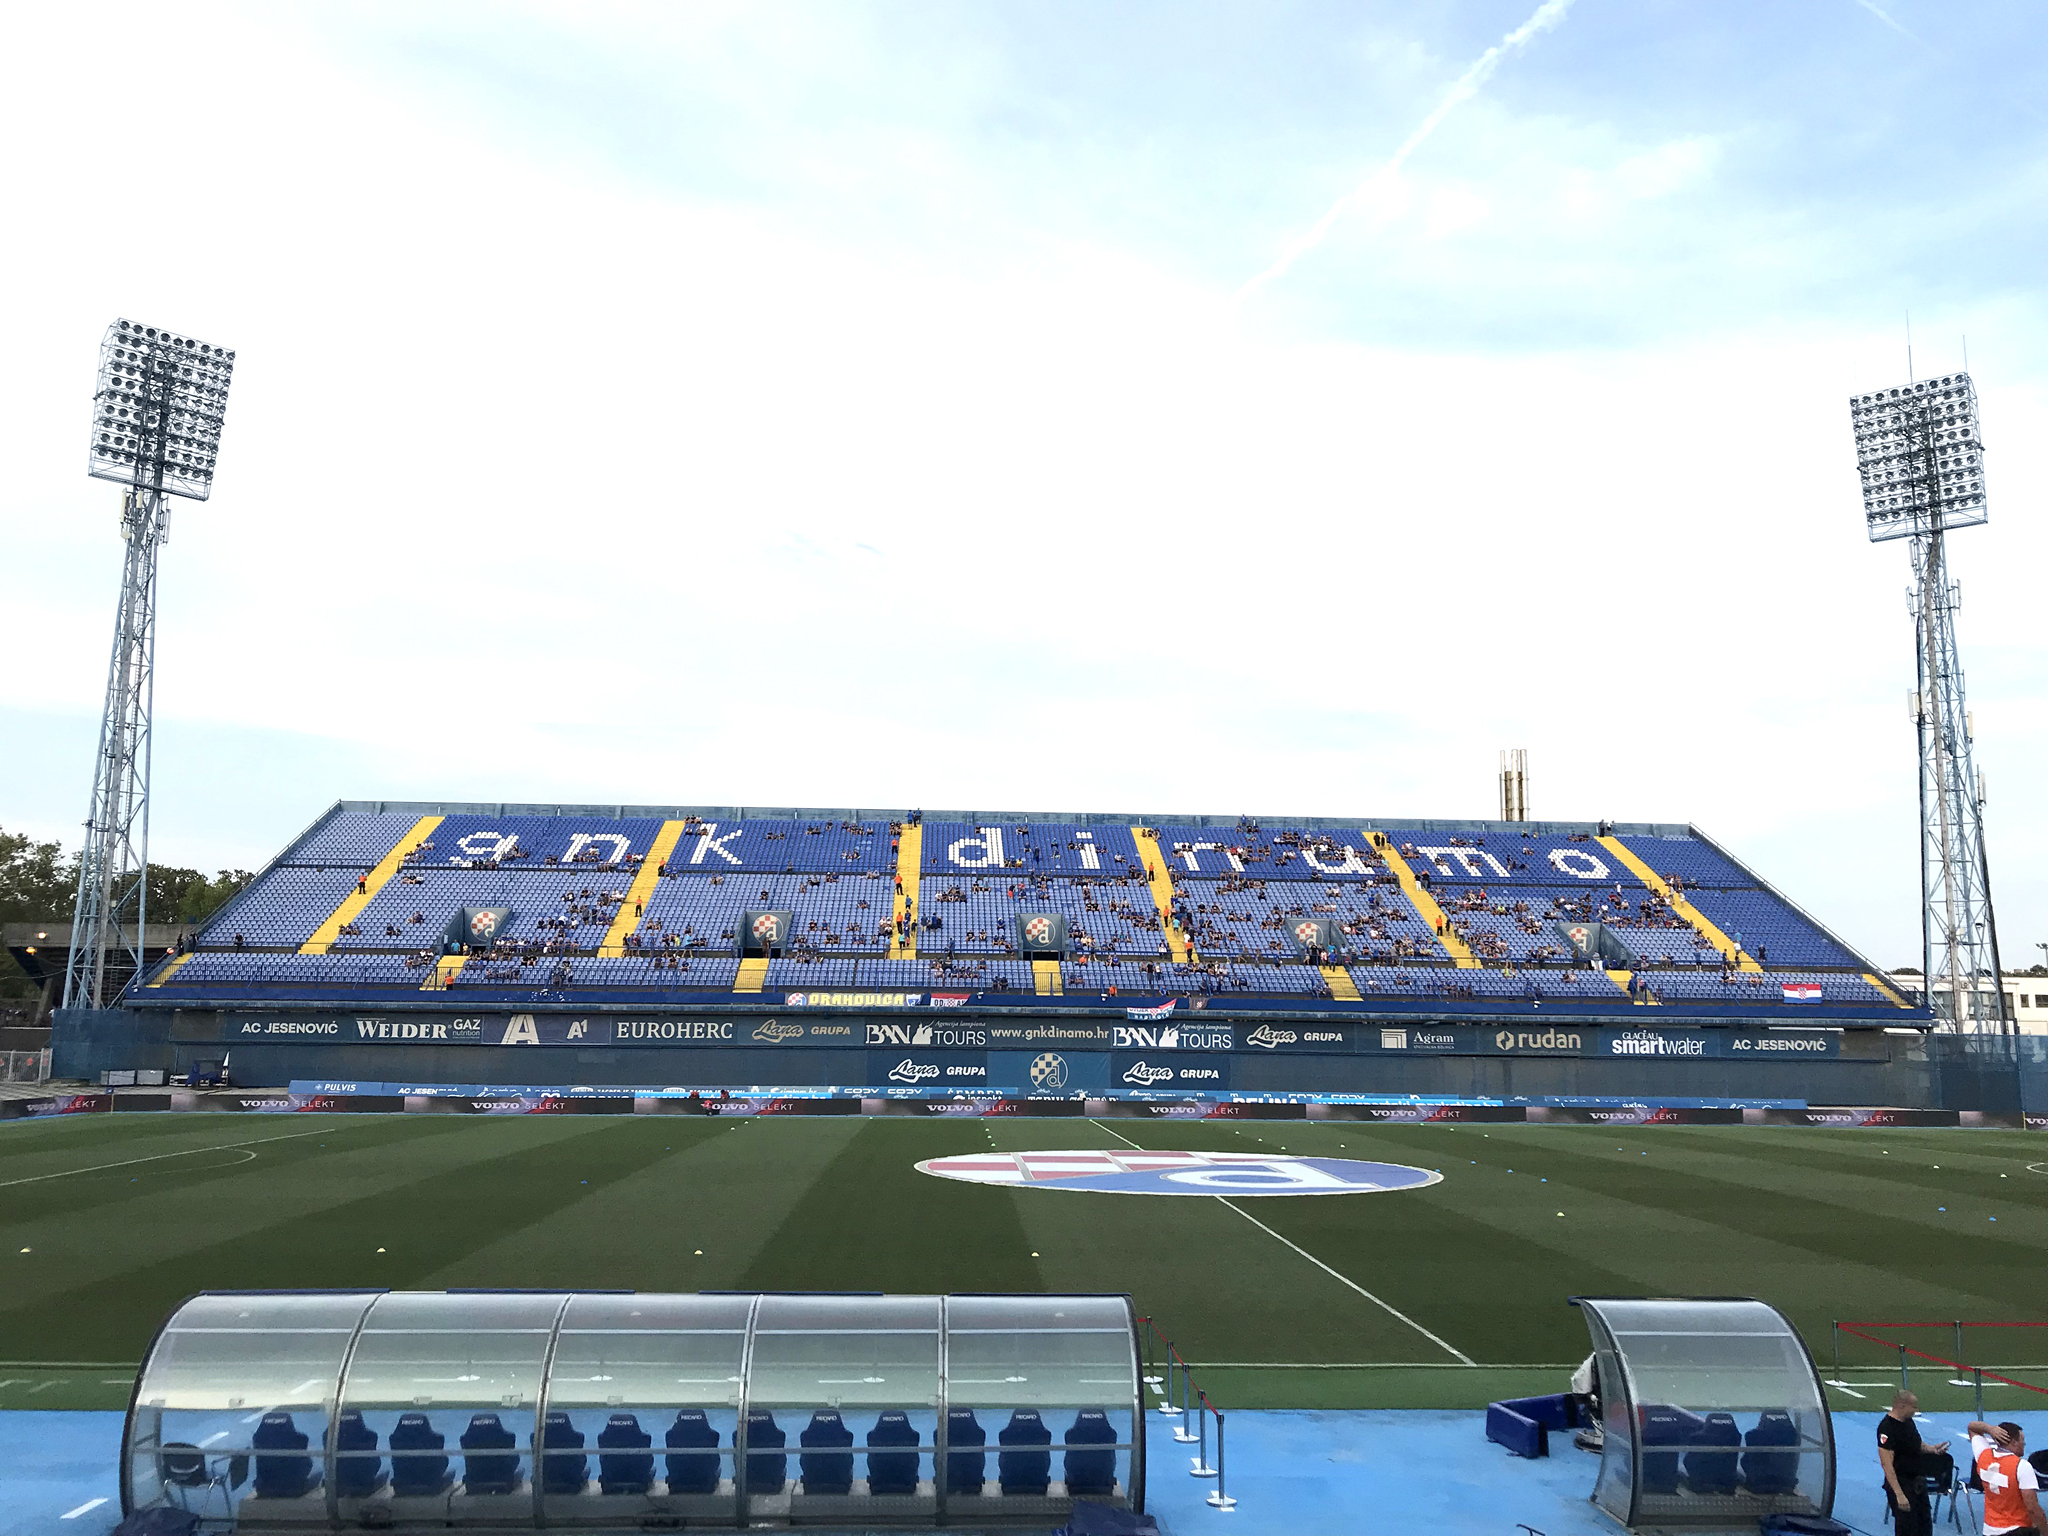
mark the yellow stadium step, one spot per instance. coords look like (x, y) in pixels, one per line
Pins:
(909, 861)
(1424, 903)
(1875, 981)
(171, 970)
(1622, 978)
(1154, 859)
(1046, 979)
(641, 891)
(446, 969)
(753, 975)
(352, 906)
(1679, 904)
(1342, 987)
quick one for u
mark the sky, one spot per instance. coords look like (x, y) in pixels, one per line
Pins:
(1271, 408)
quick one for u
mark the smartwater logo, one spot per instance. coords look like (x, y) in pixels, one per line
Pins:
(1644, 1042)
(1267, 1038)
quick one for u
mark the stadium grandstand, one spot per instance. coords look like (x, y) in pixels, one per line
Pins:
(530, 905)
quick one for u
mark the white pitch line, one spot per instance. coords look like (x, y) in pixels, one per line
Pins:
(1457, 1354)
(84, 1509)
(37, 1178)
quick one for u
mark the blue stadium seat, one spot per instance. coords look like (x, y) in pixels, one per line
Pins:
(966, 1470)
(484, 1470)
(1025, 1472)
(282, 1477)
(356, 1476)
(826, 1473)
(767, 1468)
(1662, 1426)
(696, 1471)
(892, 1472)
(1765, 1469)
(624, 1464)
(562, 1472)
(1091, 1472)
(1713, 1471)
(417, 1466)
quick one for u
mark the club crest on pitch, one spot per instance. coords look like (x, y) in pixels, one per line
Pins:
(1136, 1172)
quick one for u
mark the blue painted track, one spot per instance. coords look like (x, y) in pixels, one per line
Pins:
(1294, 1474)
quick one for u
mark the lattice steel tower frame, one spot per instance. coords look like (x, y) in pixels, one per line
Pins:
(157, 414)
(1921, 459)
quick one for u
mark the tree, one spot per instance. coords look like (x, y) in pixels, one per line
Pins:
(39, 882)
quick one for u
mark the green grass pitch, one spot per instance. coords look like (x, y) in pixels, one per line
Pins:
(109, 1221)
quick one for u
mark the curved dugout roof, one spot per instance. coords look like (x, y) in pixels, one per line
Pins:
(595, 1410)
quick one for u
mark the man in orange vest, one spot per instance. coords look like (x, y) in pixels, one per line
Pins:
(2012, 1500)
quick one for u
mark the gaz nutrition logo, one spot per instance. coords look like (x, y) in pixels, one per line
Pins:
(1135, 1172)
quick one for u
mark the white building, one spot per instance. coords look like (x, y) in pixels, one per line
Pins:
(2026, 997)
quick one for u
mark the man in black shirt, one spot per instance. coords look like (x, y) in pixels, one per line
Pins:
(1902, 1455)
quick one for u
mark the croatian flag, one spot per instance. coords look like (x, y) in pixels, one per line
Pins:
(1159, 1012)
(1802, 991)
(949, 999)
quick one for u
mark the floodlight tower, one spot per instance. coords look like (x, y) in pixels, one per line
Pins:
(157, 413)
(1922, 464)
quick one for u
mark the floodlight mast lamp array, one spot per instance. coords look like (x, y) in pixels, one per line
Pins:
(157, 414)
(1922, 465)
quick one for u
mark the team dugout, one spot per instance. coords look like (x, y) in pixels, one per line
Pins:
(1712, 1413)
(409, 1410)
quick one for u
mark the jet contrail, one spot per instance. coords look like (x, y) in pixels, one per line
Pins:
(1548, 15)
(1877, 11)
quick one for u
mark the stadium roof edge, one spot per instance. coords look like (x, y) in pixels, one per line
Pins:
(1006, 818)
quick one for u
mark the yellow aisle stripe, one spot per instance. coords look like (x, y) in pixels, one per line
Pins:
(1342, 987)
(352, 905)
(446, 969)
(753, 974)
(641, 891)
(1621, 979)
(909, 861)
(171, 970)
(1154, 858)
(1679, 904)
(1887, 991)
(1424, 903)
(1046, 978)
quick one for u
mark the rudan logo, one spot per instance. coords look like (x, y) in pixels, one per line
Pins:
(1537, 1040)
